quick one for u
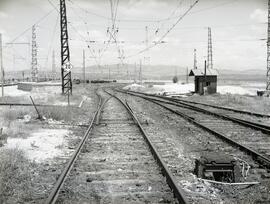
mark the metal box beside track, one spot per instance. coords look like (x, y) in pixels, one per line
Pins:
(217, 167)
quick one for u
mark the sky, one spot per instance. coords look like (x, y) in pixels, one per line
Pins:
(239, 32)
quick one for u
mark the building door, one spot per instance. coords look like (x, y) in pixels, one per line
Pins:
(197, 85)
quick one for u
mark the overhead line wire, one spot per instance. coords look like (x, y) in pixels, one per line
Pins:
(29, 28)
(166, 33)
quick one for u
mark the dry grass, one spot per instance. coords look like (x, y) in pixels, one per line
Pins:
(57, 113)
(15, 177)
(242, 102)
(10, 115)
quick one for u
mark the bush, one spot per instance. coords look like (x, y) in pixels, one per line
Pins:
(175, 79)
(58, 113)
(15, 177)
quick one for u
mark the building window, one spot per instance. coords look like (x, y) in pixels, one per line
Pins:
(207, 83)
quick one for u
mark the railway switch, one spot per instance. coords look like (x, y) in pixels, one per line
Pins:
(218, 168)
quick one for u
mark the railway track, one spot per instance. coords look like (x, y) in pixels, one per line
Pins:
(220, 109)
(116, 162)
(197, 141)
(253, 141)
(230, 109)
(252, 121)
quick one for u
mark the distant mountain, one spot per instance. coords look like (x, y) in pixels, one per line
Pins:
(158, 72)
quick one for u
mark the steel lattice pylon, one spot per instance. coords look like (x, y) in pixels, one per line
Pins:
(209, 51)
(34, 68)
(65, 57)
(268, 50)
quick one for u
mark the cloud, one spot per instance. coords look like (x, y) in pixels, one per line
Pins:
(3, 14)
(259, 15)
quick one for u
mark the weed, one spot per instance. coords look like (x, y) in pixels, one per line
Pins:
(15, 178)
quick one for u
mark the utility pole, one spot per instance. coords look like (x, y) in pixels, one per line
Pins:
(209, 50)
(146, 58)
(268, 50)
(34, 68)
(187, 76)
(140, 73)
(65, 55)
(53, 66)
(1, 64)
(204, 84)
(23, 75)
(135, 72)
(84, 67)
(128, 78)
(195, 59)
(109, 72)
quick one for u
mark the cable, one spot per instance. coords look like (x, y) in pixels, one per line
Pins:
(82, 37)
(37, 22)
(166, 33)
(52, 40)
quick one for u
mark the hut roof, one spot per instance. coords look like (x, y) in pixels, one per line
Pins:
(198, 72)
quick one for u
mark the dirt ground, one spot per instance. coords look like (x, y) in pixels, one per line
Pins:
(188, 143)
(33, 152)
(242, 102)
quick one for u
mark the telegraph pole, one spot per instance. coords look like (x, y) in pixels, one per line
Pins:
(187, 76)
(84, 67)
(1, 64)
(140, 74)
(135, 72)
(195, 59)
(34, 69)
(65, 55)
(109, 72)
(146, 58)
(53, 66)
(209, 50)
(268, 50)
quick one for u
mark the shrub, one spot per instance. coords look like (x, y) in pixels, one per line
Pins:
(175, 79)
(15, 177)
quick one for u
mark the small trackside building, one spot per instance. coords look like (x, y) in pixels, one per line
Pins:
(205, 82)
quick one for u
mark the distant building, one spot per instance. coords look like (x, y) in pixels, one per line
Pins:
(205, 83)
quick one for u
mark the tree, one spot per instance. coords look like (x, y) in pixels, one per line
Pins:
(175, 79)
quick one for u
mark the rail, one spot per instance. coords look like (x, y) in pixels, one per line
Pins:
(60, 181)
(255, 155)
(178, 192)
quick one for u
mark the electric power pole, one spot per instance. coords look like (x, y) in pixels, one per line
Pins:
(187, 76)
(195, 59)
(34, 68)
(146, 58)
(135, 72)
(268, 50)
(210, 50)
(84, 67)
(65, 55)
(1, 64)
(53, 66)
(109, 72)
(140, 73)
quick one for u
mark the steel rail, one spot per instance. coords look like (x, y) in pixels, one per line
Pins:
(246, 123)
(255, 155)
(178, 192)
(27, 104)
(225, 108)
(205, 104)
(60, 181)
